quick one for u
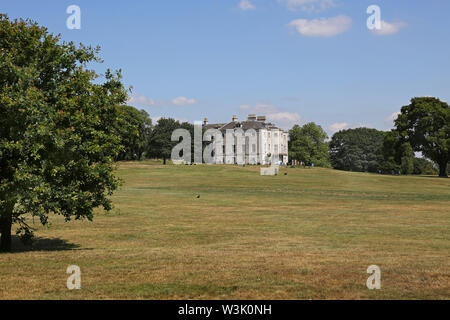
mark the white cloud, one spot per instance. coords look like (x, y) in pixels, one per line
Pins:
(338, 126)
(279, 117)
(284, 117)
(182, 101)
(141, 100)
(390, 119)
(309, 5)
(259, 108)
(155, 119)
(322, 27)
(389, 28)
(246, 5)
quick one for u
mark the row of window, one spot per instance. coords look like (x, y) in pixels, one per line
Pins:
(275, 148)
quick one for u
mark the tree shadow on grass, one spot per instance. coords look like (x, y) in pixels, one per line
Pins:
(42, 244)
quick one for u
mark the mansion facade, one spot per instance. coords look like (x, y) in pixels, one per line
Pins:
(252, 141)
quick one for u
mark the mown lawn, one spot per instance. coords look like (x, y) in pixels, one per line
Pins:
(310, 234)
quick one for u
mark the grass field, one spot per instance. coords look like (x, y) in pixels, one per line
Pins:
(310, 234)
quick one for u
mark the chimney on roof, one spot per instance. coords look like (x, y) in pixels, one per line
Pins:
(205, 121)
(261, 118)
(235, 118)
(251, 117)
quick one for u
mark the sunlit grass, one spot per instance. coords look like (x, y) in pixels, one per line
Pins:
(310, 234)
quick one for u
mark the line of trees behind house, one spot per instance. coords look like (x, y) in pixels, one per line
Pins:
(421, 128)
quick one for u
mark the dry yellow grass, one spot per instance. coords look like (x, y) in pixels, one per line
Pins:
(310, 234)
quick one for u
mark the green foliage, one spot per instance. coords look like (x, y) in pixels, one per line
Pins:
(308, 144)
(425, 124)
(398, 155)
(357, 150)
(135, 128)
(190, 127)
(423, 166)
(407, 158)
(160, 145)
(58, 124)
(390, 153)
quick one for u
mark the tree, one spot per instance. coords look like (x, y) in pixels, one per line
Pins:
(160, 145)
(407, 158)
(390, 153)
(308, 144)
(294, 148)
(190, 127)
(423, 166)
(145, 131)
(425, 124)
(134, 128)
(397, 153)
(357, 150)
(57, 129)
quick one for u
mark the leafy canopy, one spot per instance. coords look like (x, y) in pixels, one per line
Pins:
(161, 145)
(308, 144)
(425, 124)
(134, 127)
(397, 153)
(357, 150)
(58, 121)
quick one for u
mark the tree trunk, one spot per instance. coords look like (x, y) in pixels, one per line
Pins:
(5, 229)
(164, 159)
(443, 169)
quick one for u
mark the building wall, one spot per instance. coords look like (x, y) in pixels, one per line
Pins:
(256, 148)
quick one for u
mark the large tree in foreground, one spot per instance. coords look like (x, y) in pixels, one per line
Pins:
(425, 124)
(57, 129)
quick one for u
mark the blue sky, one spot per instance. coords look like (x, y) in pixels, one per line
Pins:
(294, 60)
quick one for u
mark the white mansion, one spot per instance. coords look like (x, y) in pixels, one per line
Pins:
(253, 141)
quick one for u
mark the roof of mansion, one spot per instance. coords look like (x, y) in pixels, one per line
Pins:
(256, 124)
